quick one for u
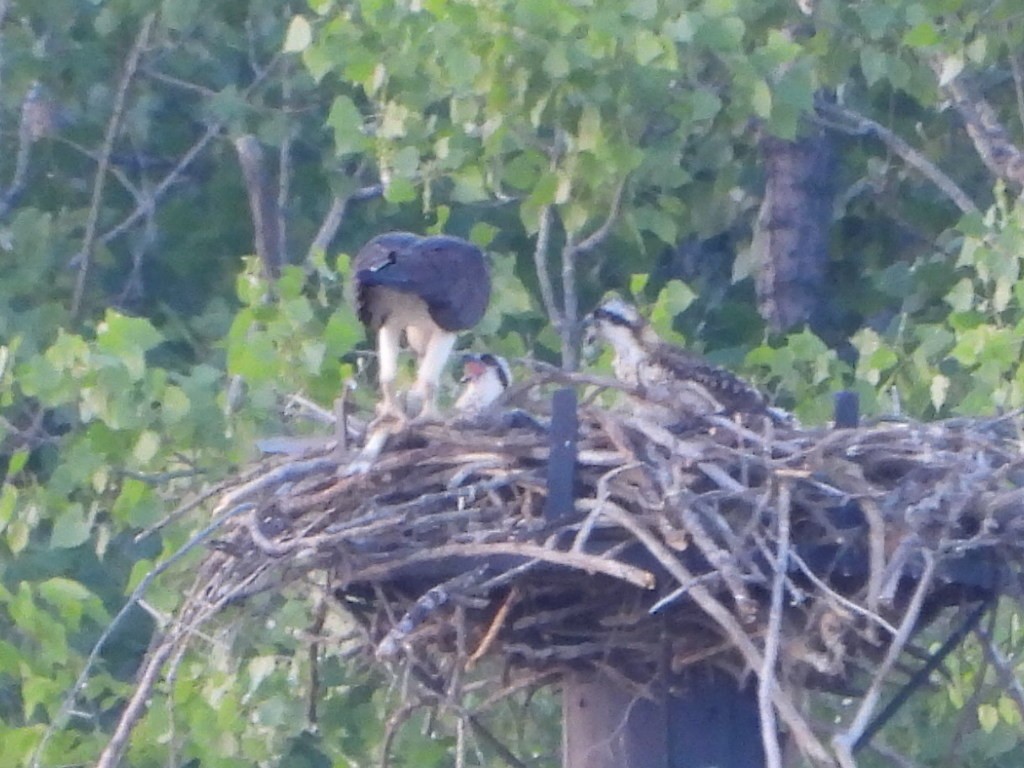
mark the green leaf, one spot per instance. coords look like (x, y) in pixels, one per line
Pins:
(988, 717)
(648, 47)
(523, 170)
(556, 63)
(70, 529)
(483, 234)
(70, 598)
(962, 296)
(147, 446)
(406, 162)
(922, 36)
(951, 67)
(17, 462)
(253, 359)
(938, 389)
(672, 300)
(400, 190)
(347, 123)
(299, 35)
(704, 105)
(872, 64)
(8, 502)
(761, 99)
(128, 339)
(17, 536)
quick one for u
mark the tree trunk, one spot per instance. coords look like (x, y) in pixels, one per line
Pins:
(791, 238)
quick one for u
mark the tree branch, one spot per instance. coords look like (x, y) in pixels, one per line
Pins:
(36, 120)
(1018, 85)
(860, 125)
(143, 208)
(262, 205)
(601, 233)
(113, 126)
(767, 676)
(845, 743)
(991, 139)
(5, 7)
(1004, 668)
(336, 216)
(798, 726)
(570, 328)
(284, 173)
(540, 263)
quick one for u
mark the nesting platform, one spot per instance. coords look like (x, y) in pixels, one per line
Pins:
(680, 548)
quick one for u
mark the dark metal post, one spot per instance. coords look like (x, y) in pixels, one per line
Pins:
(704, 720)
(562, 456)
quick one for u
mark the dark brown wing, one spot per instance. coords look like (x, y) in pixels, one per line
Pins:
(450, 274)
(377, 254)
(734, 394)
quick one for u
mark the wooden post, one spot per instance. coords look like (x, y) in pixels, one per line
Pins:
(705, 721)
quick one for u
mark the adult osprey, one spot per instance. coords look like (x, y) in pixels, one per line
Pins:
(674, 383)
(427, 288)
(486, 377)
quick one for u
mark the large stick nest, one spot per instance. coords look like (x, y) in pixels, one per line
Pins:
(677, 549)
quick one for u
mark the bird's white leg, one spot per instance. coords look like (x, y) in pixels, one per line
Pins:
(388, 341)
(428, 375)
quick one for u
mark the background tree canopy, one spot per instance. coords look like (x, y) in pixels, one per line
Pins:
(818, 194)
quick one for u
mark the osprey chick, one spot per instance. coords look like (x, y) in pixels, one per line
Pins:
(427, 288)
(678, 381)
(486, 378)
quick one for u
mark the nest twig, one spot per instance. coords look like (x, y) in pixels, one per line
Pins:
(782, 551)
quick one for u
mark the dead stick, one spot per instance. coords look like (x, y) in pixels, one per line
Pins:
(788, 711)
(113, 126)
(844, 742)
(492, 631)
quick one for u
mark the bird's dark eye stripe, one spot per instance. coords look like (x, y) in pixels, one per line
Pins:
(488, 359)
(603, 314)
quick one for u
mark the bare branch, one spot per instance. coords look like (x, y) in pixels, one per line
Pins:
(262, 205)
(601, 233)
(147, 204)
(1018, 85)
(991, 139)
(540, 262)
(767, 678)
(5, 7)
(36, 121)
(1004, 668)
(788, 711)
(113, 127)
(336, 216)
(569, 332)
(861, 125)
(67, 705)
(845, 743)
(284, 179)
(141, 210)
(284, 174)
(177, 82)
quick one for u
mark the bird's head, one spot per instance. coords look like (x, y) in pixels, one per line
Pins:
(614, 321)
(485, 378)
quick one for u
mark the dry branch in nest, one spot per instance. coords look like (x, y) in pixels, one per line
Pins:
(802, 556)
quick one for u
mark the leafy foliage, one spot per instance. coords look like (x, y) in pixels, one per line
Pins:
(475, 119)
